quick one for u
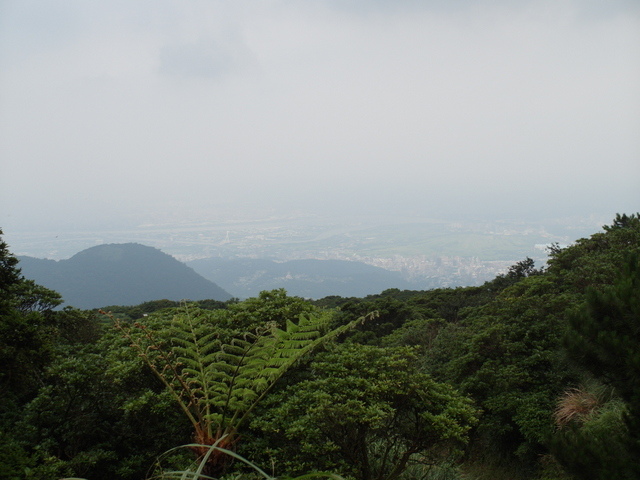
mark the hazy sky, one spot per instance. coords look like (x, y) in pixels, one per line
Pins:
(126, 108)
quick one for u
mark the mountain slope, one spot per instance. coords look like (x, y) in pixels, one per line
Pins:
(305, 278)
(120, 274)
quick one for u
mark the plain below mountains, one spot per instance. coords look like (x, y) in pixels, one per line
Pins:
(120, 274)
(314, 279)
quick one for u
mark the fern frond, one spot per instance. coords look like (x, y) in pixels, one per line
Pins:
(218, 375)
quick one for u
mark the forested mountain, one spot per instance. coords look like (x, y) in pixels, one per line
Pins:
(120, 274)
(247, 277)
(535, 375)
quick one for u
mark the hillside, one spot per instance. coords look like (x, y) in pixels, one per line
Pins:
(530, 376)
(120, 274)
(305, 278)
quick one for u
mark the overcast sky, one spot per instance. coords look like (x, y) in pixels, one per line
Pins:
(125, 108)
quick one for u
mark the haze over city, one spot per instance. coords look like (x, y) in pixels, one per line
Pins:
(120, 114)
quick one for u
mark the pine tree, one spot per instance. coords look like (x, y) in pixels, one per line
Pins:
(604, 339)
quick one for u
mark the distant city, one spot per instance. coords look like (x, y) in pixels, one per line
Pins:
(427, 253)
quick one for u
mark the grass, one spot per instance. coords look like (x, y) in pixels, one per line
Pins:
(576, 405)
(197, 471)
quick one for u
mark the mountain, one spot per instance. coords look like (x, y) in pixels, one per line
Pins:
(120, 274)
(245, 278)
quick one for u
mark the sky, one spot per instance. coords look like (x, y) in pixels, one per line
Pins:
(115, 112)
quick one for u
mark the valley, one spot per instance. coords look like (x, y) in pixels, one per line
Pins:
(426, 253)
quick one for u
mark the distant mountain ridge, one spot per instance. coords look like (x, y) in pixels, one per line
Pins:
(120, 274)
(314, 279)
(131, 273)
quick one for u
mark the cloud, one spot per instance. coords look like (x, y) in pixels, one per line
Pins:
(197, 60)
(143, 105)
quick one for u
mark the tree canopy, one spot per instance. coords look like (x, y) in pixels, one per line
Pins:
(532, 376)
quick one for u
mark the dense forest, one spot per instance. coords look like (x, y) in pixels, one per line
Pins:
(534, 375)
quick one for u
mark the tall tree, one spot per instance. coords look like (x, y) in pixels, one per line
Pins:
(368, 412)
(27, 333)
(604, 340)
(26, 327)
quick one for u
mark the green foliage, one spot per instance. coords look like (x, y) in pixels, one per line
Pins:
(399, 308)
(596, 261)
(77, 400)
(604, 339)
(596, 448)
(137, 312)
(605, 333)
(27, 331)
(522, 269)
(9, 275)
(98, 415)
(30, 297)
(217, 375)
(368, 412)
(506, 356)
(269, 306)
(14, 458)
(196, 471)
(392, 314)
(32, 338)
(78, 327)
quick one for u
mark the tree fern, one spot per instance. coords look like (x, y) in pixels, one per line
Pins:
(218, 375)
